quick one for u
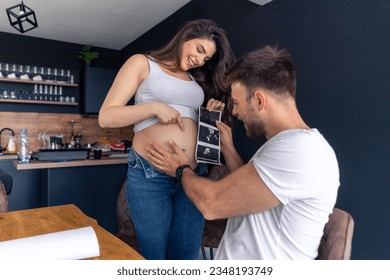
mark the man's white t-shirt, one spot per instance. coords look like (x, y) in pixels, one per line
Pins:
(301, 170)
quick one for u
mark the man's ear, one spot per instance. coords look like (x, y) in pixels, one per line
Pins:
(259, 99)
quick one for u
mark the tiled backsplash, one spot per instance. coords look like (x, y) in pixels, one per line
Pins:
(88, 127)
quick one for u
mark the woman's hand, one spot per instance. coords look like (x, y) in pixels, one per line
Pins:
(214, 104)
(164, 160)
(168, 115)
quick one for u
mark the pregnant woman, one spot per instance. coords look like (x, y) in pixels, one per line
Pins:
(169, 85)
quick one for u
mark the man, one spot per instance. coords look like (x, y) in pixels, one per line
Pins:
(278, 203)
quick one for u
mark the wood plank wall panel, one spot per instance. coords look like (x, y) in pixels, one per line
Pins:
(88, 127)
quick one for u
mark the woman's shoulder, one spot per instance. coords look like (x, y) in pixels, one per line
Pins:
(138, 59)
(143, 61)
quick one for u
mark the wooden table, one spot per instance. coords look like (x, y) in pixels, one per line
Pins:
(32, 222)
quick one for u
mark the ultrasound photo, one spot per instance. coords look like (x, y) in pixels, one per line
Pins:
(209, 135)
(207, 154)
(208, 148)
(209, 117)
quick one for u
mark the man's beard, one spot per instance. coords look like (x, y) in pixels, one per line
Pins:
(255, 128)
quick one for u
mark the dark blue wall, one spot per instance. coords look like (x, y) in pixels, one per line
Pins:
(27, 50)
(341, 50)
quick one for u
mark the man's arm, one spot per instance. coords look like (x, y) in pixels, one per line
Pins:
(242, 192)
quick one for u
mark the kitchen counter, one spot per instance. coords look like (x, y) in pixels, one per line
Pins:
(7, 156)
(39, 164)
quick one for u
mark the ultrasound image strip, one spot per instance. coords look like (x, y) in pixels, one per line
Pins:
(208, 142)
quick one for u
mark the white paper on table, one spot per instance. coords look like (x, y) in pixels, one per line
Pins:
(71, 244)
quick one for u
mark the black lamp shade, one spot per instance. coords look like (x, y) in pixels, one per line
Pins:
(22, 17)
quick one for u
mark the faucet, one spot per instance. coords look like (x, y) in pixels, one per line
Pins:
(1, 131)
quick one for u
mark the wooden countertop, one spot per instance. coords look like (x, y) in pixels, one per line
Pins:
(72, 163)
(14, 156)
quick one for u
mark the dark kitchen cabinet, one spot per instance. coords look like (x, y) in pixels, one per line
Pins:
(94, 189)
(96, 84)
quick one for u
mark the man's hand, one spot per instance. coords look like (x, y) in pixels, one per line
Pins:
(232, 158)
(167, 161)
(226, 137)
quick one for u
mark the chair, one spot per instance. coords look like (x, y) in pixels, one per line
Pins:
(214, 229)
(212, 235)
(5, 190)
(126, 231)
(336, 243)
(3, 198)
(7, 181)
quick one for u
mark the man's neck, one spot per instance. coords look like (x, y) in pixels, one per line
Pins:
(285, 120)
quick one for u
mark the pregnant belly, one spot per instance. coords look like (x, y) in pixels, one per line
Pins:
(160, 134)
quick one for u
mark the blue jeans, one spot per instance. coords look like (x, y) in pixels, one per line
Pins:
(167, 224)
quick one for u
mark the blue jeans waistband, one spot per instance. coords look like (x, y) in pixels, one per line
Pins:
(151, 171)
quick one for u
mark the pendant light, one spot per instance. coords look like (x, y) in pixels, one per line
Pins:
(22, 17)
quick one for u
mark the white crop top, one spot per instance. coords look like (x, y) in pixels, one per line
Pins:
(184, 96)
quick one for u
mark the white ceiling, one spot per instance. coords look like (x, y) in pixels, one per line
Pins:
(110, 24)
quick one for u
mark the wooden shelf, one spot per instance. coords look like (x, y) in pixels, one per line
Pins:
(38, 102)
(17, 80)
(51, 98)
